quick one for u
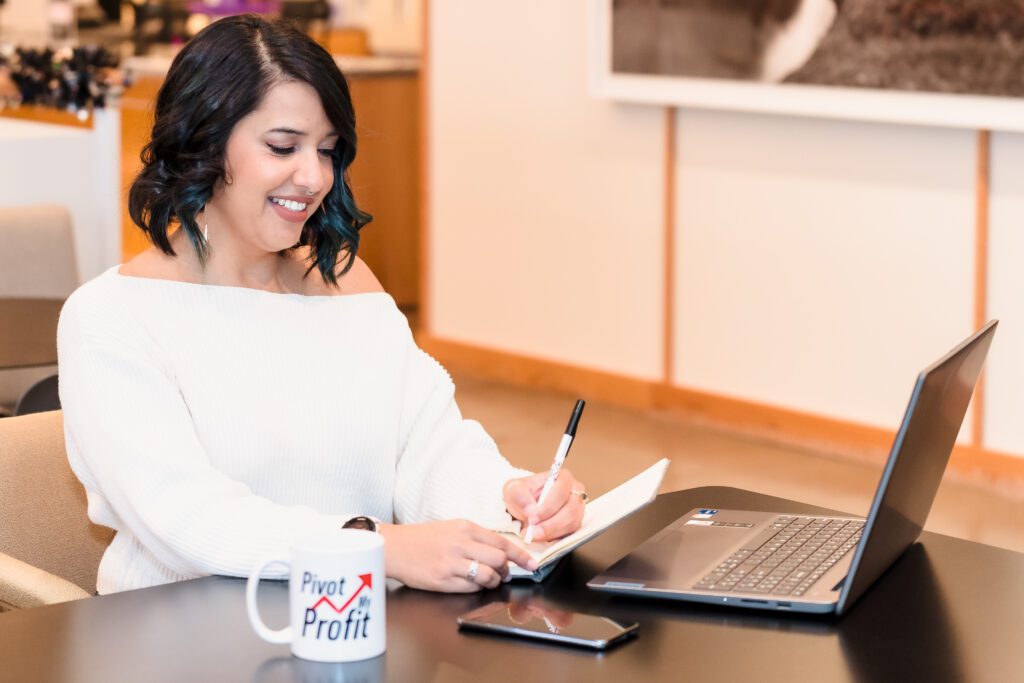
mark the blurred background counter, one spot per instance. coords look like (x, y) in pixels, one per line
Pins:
(375, 44)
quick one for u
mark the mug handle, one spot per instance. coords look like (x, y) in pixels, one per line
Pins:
(282, 636)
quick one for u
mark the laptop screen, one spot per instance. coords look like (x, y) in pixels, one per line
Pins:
(917, 461)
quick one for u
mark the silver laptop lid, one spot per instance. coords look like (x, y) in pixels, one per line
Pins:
(917, 461)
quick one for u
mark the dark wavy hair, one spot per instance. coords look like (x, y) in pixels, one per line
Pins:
(218, 78)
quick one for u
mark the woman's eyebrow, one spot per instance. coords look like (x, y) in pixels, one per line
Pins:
(288, 131)
(300, 133)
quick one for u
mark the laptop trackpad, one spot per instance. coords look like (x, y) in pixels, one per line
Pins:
(680, 557)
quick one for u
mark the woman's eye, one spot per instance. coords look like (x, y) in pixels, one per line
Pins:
(327, 153)
(282, 151)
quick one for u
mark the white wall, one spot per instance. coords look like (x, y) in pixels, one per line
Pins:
(545, 206)
(1004, 388)
(820, 264)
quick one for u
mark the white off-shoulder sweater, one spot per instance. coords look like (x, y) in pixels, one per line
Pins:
(211, 424)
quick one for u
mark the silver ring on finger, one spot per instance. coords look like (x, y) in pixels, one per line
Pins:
(474, 567)
(582, 494)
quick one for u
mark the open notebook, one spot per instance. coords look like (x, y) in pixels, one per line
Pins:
(602, 513)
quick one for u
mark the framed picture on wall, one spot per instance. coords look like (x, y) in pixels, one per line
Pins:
(956, 63)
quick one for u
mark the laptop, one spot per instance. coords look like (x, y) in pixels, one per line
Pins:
(813, 563)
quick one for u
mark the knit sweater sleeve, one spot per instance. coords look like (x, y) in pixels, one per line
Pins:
(448, 467)
(132, 442)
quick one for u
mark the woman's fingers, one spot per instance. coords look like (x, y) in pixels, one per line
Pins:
(518, 554)
(557, 497)
(485, 577)
(454, 555)
(562, 510)
(490, 556)
(521, 495)
(565, 521)
(509, 548)
(493, 552)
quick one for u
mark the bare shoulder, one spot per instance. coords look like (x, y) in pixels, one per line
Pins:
(154, 264)
(359, 279)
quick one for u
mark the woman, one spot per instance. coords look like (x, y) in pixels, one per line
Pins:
(246, 380)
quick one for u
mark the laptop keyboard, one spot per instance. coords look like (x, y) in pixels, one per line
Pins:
(787, 558)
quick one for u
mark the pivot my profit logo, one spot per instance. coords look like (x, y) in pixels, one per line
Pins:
(324, 618)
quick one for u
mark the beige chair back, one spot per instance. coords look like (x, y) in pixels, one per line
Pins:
(37, 261)
(43, 519)
(37, 252)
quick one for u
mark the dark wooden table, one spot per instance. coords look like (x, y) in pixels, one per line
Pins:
(948, 610)
(28, 332)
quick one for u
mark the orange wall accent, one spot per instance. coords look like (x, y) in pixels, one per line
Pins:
(668, 320)
(424, 168)
(535, 372)
(38, 114)
(385, 179)
(981, 275)
(136, 124)
(345, 41)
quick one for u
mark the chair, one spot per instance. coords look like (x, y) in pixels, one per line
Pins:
(40, 398)
(37, 260)
(49, 550)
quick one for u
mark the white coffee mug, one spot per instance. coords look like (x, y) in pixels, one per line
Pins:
(336, 597)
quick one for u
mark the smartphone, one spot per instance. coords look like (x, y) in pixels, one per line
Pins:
(568, 628)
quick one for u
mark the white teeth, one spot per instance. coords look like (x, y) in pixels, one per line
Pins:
(290, 205)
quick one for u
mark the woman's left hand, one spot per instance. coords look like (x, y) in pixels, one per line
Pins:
(559, 515)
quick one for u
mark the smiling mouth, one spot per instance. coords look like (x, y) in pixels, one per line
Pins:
(289, 204)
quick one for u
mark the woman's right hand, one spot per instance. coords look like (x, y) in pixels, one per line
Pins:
(437, 556)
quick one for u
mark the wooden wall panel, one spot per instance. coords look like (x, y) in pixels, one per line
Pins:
(136, 126)
(386, 180)
(820, 264)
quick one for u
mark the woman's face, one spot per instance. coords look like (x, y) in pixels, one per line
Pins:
(279, 167)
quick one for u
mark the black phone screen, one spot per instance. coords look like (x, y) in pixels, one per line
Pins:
(571, 628)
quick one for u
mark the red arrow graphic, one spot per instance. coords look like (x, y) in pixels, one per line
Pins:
(367, 580)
